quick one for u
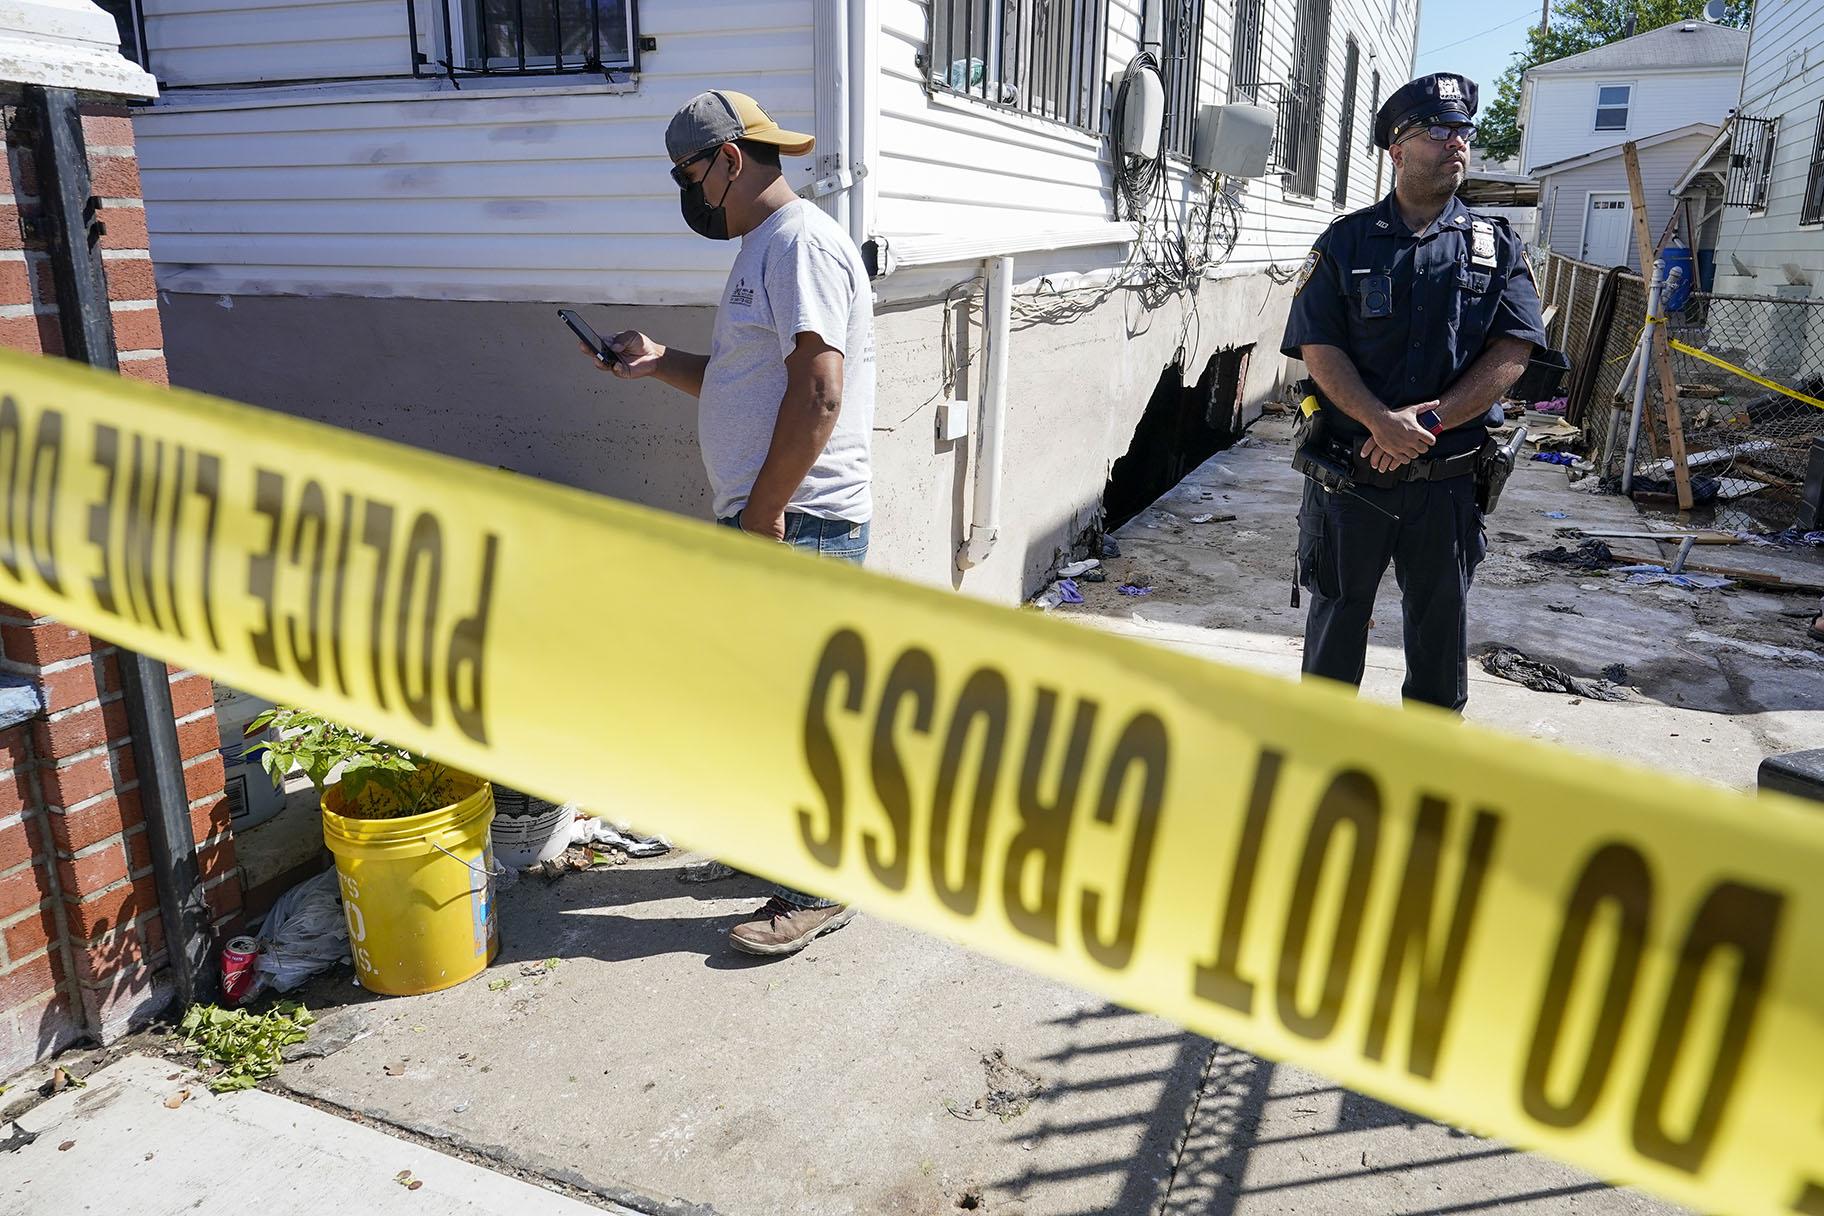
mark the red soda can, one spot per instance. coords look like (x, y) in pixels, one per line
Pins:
(237, 969)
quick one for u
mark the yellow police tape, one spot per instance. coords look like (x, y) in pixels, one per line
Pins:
(1743, 372)
(1617, 967)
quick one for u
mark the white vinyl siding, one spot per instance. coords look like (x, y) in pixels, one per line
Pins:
(212, 42)
(1783, 80)
(1565, 111)
(407, 188)
(535, 195)
(948, 164)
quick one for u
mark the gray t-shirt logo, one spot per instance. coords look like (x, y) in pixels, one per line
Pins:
(742, 296)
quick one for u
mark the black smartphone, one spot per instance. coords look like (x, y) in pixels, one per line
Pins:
(583, 330)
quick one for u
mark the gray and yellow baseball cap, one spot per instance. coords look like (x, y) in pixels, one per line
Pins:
(720, 115)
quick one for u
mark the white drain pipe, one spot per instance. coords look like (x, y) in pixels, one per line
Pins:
(985, 511)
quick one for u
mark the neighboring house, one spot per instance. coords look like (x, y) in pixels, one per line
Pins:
(355, 222)
(1768, 167)
(1668, 90)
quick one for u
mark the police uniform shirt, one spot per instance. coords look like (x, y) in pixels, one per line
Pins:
(1454, 289)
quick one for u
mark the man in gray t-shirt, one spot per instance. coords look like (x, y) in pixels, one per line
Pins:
(785, 397)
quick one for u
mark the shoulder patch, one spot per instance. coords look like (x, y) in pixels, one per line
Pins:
(1305, 272)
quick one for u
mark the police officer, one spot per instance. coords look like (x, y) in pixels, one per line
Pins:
(1413, 317)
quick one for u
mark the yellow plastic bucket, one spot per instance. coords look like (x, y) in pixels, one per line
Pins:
(418, 893)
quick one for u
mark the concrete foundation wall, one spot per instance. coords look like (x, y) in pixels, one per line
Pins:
(504, 384)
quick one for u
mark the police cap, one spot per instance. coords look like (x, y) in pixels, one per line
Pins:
(1442, 97)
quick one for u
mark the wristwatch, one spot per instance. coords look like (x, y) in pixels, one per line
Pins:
(1430, 421)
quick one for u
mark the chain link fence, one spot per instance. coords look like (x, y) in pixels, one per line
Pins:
(1747, 444)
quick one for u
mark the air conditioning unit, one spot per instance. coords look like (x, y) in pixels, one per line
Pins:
(1234, 140)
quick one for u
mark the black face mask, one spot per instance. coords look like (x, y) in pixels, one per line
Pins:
(703, 218)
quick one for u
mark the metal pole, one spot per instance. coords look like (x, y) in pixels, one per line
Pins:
(1645, 360)
(71, 233)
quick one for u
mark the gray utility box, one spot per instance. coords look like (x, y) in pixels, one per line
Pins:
(1233, 140)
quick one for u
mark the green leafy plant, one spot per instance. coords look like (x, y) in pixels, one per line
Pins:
(244, 1046)
(378, 780)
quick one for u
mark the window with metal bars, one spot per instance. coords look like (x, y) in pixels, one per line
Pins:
(1345, 139)
(1038, 57)
(1750, 162)
(1301, 109)
(1812, 210)
(1181, 61)
(1244, 59)
(526, 37)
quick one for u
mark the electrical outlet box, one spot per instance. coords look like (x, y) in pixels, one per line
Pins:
(952, 420)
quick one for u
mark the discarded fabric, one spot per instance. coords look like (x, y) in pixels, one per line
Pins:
(1555, 514)
(1511, 664)
(1068, 590)
(590, 830)
(1646, 575)
(1132, 589)
(1555, 457)
(1557, 405)
(1788, 538)
(1590, 555)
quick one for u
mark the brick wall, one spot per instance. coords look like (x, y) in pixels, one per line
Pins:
(82, 942)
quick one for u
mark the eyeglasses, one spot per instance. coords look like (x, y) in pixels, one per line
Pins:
(1444, 132)
(677, 171)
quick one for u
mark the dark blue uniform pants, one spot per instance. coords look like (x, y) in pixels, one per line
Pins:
(1344, 545)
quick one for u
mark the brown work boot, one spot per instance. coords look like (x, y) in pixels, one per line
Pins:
(785, 928)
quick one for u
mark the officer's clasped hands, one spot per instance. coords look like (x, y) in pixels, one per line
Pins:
(1398, 438)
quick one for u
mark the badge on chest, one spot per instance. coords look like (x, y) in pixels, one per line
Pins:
(1482, 243)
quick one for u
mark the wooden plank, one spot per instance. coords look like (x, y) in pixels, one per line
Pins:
(1662, 353)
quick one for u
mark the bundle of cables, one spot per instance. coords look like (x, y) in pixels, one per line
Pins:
(1170, 255)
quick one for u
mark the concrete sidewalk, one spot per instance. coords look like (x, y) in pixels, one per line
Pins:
(117, 1145)
(652, 1066)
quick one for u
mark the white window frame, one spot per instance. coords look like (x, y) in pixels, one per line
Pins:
(1627, 109)
(462, 31)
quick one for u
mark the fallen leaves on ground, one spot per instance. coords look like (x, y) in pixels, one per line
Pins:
(244, 1046)
(177, 1099)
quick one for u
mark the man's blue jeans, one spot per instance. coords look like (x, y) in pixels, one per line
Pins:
(836, 538)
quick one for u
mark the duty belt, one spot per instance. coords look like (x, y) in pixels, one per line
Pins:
(1438, 468)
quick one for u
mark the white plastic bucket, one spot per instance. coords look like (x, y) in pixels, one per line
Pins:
(522, 840)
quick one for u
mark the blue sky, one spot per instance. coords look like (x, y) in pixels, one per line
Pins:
(1474, 37)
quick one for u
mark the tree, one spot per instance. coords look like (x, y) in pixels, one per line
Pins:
(1578, 26)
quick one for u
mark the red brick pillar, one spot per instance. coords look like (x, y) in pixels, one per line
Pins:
(82, 943)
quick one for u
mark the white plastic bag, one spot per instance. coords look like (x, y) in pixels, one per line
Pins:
(303, 934)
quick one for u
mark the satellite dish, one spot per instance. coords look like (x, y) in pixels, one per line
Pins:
(1716, 10)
